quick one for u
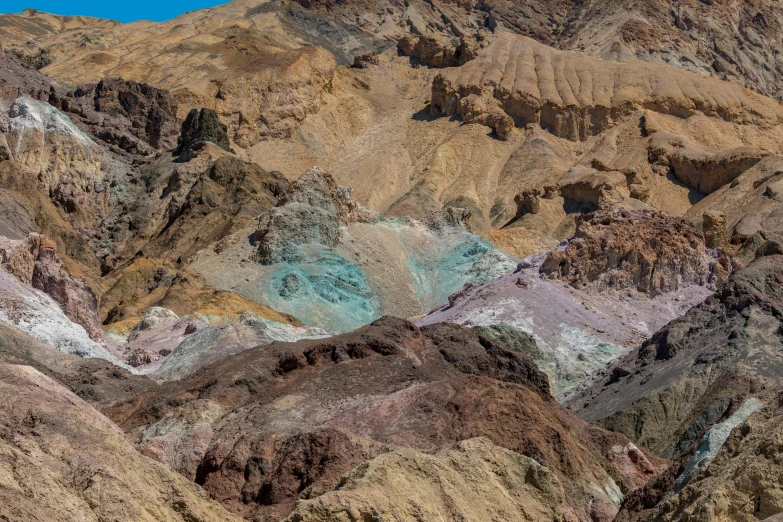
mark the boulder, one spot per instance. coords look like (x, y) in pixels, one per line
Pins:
(714, 228)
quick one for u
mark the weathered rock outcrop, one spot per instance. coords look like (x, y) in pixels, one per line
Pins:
(575, 96)
(134, 117)
(602, 190)
(705, 363)
(96, 381)
(35, 263)
(439, 50)
(733, 41)
(62, 460)
(144, 284)
(212, 344)
(200, 126)
(644, 250)
(714, 229)
(476, 480)
(703, 169)
(47, 146)
(430, 387)
(740, 482)
(309, 212)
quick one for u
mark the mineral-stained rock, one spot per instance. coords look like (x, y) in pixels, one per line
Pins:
(97, 381)
(145, 284)
(214, 343)
(429, 387)
(310, 212)
(202, 125)
(34, 262)
(621, 249)
(741, 481)
(48, 146)
(155, 317)
(705, 362)
(38, 315)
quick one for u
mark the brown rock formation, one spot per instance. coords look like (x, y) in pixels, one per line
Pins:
(714, 229)
(34, 262)
(741, 483)
(602, 190)
(430, 387)
(130, 116)
(622, 249)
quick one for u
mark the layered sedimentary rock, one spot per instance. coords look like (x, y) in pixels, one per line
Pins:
(575, 96)
(734, 41)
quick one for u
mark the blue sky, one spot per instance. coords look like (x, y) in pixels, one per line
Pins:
(156, 10)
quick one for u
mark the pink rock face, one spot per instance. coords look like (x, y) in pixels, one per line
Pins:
(35, 263)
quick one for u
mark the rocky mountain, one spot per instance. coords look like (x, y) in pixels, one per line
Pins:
(431, 388)
(378, 260)
(716, 355)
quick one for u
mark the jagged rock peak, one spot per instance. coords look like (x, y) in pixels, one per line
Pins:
(202, 125)
(135, 112)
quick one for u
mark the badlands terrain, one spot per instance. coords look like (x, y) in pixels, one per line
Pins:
(372, 260)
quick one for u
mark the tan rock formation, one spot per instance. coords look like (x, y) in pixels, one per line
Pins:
(62, 460)
(623, 249)
(600, 189)
(576, 96)
(701, 168)
(471, 480)
(714, 229)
